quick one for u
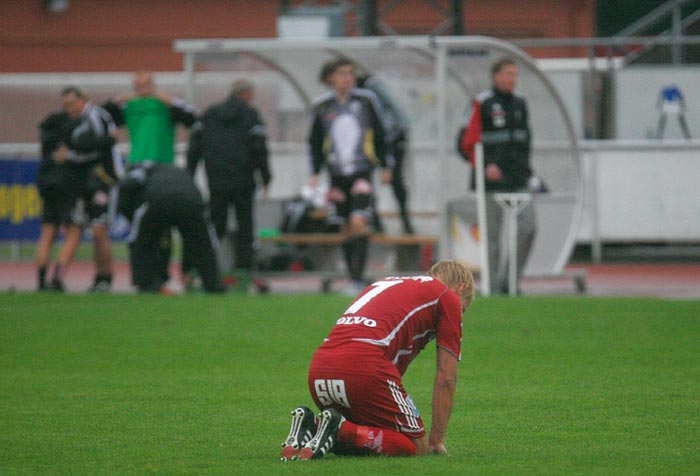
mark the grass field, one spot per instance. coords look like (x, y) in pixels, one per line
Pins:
(127, 384)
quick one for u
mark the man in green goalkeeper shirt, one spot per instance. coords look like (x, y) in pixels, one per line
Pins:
(150, 116)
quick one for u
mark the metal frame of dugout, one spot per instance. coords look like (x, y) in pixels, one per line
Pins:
(452, 70)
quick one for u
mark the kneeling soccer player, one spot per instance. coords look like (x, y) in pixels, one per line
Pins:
(355, 375)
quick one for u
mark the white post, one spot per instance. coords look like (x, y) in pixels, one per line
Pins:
(484, 270)
(189, 77)
(594, 194)
(440, 93)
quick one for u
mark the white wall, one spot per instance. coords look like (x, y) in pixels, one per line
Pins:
(636, 94)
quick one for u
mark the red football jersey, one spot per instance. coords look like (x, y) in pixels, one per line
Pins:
(400, 316)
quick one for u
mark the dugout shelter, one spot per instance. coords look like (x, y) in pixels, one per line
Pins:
(433, 79)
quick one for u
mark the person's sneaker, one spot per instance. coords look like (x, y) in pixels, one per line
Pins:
(329, 422)
(262, 286)
(101, 286)
(302, 430)
(57, 285)
(353, 288)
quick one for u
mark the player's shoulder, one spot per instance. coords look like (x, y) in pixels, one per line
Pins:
(368, 97)
(364, 93)
(322, 100)
(519, 96)
(484, 96)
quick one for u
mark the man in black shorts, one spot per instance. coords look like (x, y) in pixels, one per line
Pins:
(348, 137)
(60, 206)
(92, 165)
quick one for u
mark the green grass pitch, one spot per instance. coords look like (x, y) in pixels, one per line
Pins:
(128, 384)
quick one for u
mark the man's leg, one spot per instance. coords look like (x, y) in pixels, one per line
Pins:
(43, 251)
(73, 234)
(527, 229)
(379, 416)
(381, 441)
(144, 256)
(98, 214)
(199, 243)
(498, 275)
(399, 188)
(243, 203)
(358, 245)
(102, 255)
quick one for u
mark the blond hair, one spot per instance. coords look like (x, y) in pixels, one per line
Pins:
(453, 273)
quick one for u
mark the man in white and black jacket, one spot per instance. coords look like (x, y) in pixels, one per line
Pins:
(348, 137)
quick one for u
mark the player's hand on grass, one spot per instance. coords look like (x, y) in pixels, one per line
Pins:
(437, 449)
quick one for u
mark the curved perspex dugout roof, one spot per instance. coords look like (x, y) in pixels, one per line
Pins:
(433, 79)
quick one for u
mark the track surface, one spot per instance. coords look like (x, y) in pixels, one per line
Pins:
(653, 280)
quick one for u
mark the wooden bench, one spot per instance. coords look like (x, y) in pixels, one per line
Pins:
(322, 247)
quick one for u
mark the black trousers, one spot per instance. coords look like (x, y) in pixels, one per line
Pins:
(243, 200)
(149, 246)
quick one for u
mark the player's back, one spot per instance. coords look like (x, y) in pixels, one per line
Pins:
(397, 317)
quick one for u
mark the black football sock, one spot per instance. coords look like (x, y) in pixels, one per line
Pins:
(361, 249)
(42, 277)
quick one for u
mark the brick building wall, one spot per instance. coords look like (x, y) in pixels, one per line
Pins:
(125, 35)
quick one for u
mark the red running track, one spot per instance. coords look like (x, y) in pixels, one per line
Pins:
(652, 280)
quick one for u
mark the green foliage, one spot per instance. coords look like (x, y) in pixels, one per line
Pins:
(203, 385)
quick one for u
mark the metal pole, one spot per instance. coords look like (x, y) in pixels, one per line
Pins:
(596, 242)
(440, 93)
(189, 77)
(676, 47)
(592, 99)
(369, 17)
(482, 218)
(456, 11)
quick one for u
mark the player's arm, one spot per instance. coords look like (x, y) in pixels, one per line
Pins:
(443, 398)
(195, 148)
(257, 140)
(470, 133)
(183, 112)
(180, 110)
(316, 140)
(116, 110)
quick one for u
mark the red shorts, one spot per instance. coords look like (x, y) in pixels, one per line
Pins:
(366, 391)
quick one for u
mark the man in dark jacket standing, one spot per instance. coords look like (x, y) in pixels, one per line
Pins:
(230, 137)
(498, 117)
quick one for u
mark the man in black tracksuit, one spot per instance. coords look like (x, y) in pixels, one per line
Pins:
(155, 198)
(230, 137)
(499, 119)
